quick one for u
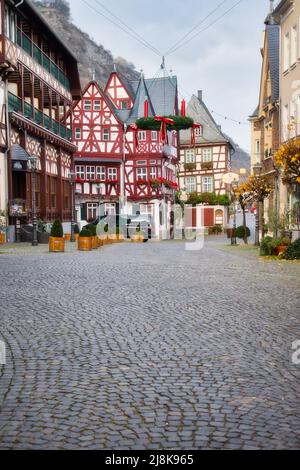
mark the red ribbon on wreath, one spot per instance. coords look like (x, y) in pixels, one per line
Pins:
(134, 128)
(193, 138)
(163, 134)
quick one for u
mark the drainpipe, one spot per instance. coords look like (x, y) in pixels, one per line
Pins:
(122, 173)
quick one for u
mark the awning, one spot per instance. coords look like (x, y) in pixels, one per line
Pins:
(18, 153)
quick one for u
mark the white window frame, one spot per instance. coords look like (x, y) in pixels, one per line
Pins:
(106, 134)
(80, 171)
(153, 172)
(112, 174)
(191, 184)
(92, 207)
(101, 173)
(78, 133)
(141, 173)
(190, 156)
(87, 105)
(98, 106)
(207, 154)
(90, 172)
(142, 136)
(294, 44)
(198, 131)
(110, 208)
(286, 52)
(154, 135)
(207, 184)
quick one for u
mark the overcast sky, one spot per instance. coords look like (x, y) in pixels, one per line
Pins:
(224, 60)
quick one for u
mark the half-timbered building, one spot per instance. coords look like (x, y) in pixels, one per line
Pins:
(120, 169)
(205, 155)
(39, 80)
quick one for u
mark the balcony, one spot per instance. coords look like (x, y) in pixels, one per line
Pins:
(38, 117)
(25, 43)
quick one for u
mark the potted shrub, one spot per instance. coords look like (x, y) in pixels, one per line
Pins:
(266, 246)
(85, 240)
(56, 239)
(102, 234)
(293, 250)
(284, 242)
(76, 232)
(240, 232)
(93, 230)
(137, 237)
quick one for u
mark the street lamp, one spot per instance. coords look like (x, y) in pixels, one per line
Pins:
(257, 169)
(234, 184)
(72, 177)
(32, 167)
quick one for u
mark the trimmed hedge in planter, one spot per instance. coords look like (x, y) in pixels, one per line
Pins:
(150, 124)
(293, 251)
(240, 231)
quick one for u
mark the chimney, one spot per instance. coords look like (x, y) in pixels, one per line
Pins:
(200, 94)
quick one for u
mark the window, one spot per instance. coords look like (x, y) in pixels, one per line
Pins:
(90, 172)
(257, 150)
(207, 184)
(190, 156)
(198, 132)
(146, 209)
(87, 105)
(80, 173)
(101, 173)
(105, 134)
(152, 172)
(109, 209)
(124, 104)
(97, 105)
(141, 162)
(141, 173)
(286, 51)
(92, 209)
(294, 45)
(77, 133)
(153, 135)
(142, 135)
(112, 173)
(190, 184)
(207, 155)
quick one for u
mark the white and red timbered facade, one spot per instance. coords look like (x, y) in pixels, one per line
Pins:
(38, 81)
(114, 159)
(204, 160)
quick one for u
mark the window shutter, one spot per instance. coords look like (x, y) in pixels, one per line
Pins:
(83, 211)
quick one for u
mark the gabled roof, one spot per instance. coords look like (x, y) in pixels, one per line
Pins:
(160, 92)
(211, 132)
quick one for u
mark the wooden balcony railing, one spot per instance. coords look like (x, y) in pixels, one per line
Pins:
(41, 58)
(15, 104)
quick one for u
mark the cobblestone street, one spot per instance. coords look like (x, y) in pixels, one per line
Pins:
(148, 346)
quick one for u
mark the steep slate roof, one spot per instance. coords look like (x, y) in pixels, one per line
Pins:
(197, 110)
(273, 34)
(160, 92)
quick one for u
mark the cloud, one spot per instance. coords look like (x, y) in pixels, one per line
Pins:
(224, 61)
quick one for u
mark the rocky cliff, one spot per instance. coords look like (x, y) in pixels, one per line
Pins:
(91, 56)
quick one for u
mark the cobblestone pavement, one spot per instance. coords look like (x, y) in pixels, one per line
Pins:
(140, 346)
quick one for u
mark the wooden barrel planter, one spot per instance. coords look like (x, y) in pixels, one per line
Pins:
(114, 238)
(67, 237)
(76, 236)
(100, 242)
(94, 243)
(2, 238)
(85, 243)
(56, 244)
(137, 238)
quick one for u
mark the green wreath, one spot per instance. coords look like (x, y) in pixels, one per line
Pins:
(150, 124)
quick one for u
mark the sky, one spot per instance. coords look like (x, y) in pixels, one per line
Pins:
(224, 60)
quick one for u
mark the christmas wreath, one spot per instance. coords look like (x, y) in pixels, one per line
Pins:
(152, 124)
